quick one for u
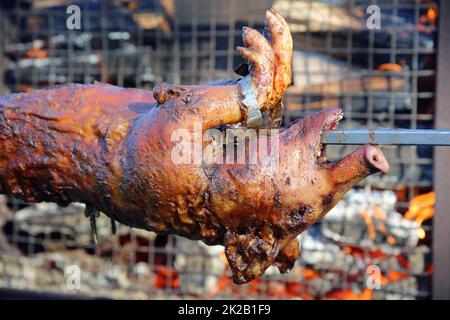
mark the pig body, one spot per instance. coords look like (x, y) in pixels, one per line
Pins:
(112, 148)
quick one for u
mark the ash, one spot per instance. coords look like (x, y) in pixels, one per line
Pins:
(364, 232)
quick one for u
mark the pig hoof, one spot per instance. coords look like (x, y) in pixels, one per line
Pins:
(250, 254)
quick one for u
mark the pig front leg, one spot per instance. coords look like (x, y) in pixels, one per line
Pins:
(250, 254)
(217, 105)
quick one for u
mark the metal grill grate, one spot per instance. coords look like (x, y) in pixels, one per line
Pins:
(382, 79)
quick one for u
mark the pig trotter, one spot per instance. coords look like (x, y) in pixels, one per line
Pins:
(251, 253)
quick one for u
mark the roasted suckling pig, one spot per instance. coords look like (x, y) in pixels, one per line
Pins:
(113, 149)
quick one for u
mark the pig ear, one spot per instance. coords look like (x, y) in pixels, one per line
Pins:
(250, 254)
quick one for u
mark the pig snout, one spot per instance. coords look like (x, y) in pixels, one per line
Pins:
(374, 157)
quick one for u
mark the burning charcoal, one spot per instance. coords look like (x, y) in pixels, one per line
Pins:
(363, 230)
(5, 215)
(368, 218)
(114, 276)
(416, 259)
(49, 221)
(141, 269)
(404, 289)
(323, 254)
(200, 266)
(311, 69)
(47, 272)
(322, 77)
(312, 14)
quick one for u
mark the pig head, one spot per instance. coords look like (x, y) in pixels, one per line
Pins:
(266, 206)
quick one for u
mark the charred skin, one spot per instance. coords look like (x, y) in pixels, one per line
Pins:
(111, 148)
(266, 207)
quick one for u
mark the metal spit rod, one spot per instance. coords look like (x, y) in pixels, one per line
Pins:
(388, 137)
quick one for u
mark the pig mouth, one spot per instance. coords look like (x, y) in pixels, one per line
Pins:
(371, 156)
(330, 123)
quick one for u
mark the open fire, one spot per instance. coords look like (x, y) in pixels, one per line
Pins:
(366, 241)
(386, 258)
(370, 267)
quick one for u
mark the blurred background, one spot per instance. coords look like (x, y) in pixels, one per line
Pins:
(382, 78)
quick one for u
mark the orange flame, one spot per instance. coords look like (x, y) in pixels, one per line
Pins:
(368, 220)
(348, 294)
(165, 277)
(421, 207)
(432, 15)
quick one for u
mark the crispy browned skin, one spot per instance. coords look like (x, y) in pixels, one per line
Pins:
(110, 148)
